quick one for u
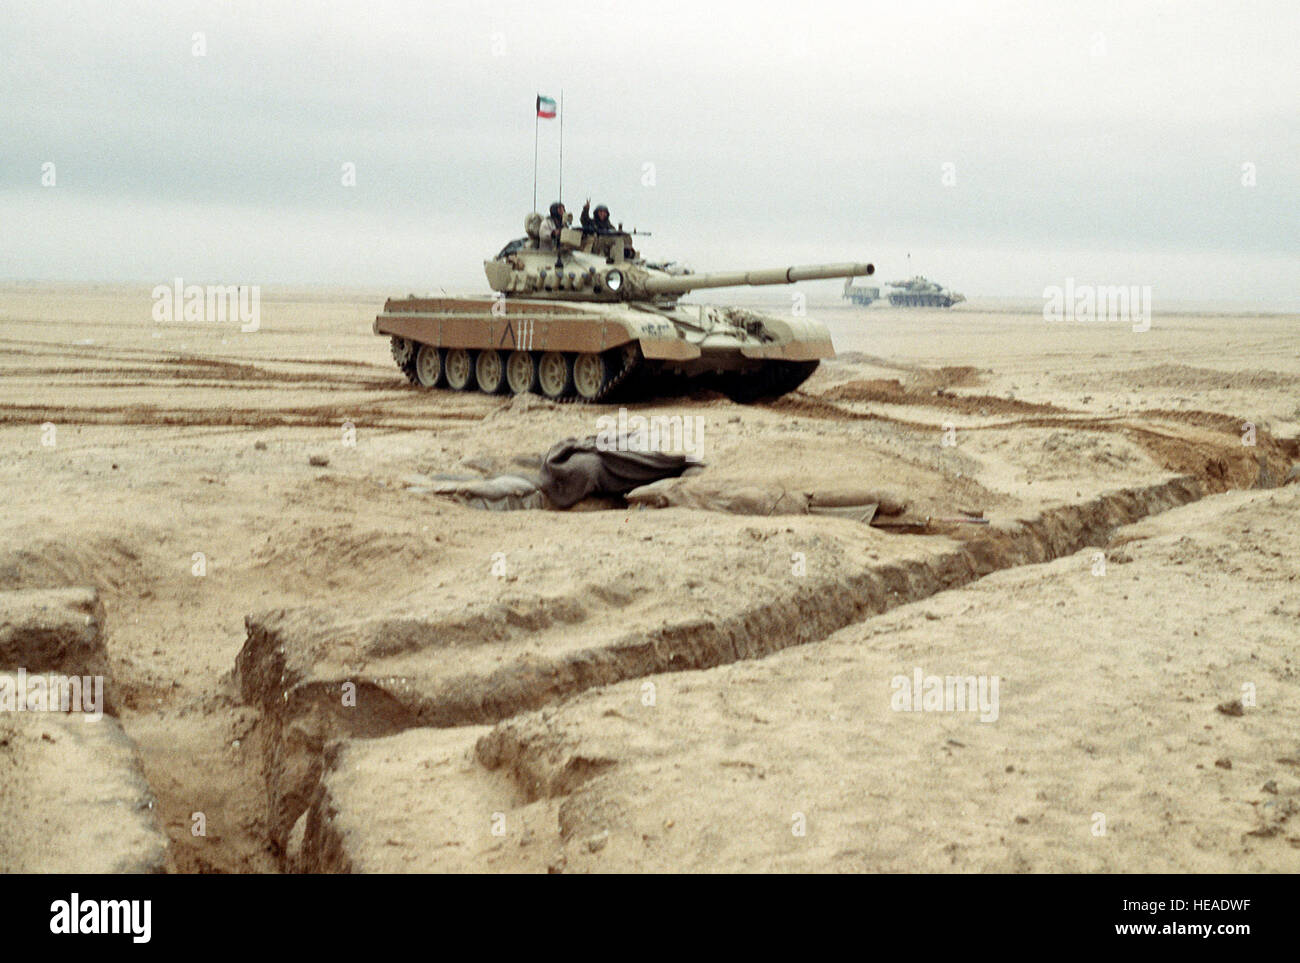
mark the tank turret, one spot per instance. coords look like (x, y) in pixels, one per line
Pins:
(591, 266)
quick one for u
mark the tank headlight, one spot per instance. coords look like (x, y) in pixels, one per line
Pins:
(614, 280)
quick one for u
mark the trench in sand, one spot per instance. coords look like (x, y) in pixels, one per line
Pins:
(271, 748)
(150, 403)
(303, 717)
(284, 752)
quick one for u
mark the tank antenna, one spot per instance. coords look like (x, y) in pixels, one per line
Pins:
(537, 119)
(561, 198)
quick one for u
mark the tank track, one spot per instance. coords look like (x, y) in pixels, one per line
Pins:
(921, 301)
(775, 379)
(408, 367)
(631, 364)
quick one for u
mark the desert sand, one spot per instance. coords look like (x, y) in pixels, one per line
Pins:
(342, 671)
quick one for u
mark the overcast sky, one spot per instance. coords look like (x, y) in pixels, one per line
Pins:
(1101, 141)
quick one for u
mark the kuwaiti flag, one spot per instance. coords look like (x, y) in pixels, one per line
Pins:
(545, 106)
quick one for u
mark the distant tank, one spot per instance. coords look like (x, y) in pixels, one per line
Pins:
(590, 318)
(920, 293)
(858, 294)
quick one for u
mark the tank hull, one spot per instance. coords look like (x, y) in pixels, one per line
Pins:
(618, 347)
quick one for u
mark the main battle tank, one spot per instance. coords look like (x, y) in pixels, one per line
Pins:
(590, 317)
(920, 293)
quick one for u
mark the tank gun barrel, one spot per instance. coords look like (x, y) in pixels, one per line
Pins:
(681, 283)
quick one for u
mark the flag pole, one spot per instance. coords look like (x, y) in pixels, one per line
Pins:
(537, 111)
(561, 198)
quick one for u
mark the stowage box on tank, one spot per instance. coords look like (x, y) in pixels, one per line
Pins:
(586, 315)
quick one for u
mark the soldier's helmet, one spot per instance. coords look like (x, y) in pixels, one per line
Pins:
(555, 210)
(601, 209)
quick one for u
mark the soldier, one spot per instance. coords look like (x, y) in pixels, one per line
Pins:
(600, 223)
(548, 236)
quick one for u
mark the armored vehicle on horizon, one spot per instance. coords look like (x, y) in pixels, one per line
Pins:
(588, 317)
(859, 295)
(920, 293)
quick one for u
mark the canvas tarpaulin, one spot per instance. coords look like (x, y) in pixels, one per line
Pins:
(861, 505)
(571, 471)
(574, 469)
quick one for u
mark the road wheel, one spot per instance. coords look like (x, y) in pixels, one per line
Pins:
(591, 373)
(428, 366)
(521, 372)
(458, 368)
(490, 372)
(555, 374)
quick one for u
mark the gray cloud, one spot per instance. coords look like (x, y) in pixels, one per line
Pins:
(1114, 136)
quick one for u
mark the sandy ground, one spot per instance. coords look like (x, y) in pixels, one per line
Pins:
(1108, 751)
(168, 465)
